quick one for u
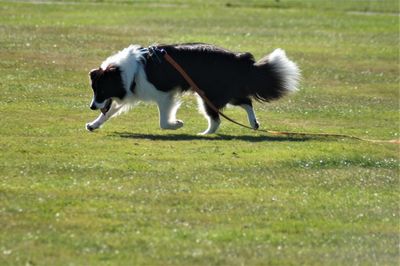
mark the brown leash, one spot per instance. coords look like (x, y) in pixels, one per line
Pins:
(272, 132)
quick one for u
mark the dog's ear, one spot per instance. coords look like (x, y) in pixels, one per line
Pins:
(111, 68)
(94, 73)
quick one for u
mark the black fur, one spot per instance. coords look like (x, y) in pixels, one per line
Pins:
(224, 76)
(107, 83)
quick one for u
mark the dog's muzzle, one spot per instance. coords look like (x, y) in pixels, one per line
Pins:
(93, 106)
(104, 107)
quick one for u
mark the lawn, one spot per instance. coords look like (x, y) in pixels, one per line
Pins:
(133, 194)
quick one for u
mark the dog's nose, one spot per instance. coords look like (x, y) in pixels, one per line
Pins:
(93, 106)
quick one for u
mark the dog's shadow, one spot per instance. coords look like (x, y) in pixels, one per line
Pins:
(215, 137)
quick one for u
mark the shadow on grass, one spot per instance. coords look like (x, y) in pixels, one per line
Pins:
(187, 137)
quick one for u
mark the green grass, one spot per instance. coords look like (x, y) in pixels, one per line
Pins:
(132, 194)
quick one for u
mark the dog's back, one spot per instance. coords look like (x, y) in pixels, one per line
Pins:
(224, 75)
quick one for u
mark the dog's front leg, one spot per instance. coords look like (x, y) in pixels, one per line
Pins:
(102, 118)
(167, 107)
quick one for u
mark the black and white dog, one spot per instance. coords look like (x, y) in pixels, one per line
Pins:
(226, 77)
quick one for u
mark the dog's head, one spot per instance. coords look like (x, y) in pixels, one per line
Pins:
(115, 79)
(106, 84)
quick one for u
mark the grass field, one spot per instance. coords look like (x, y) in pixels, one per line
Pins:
(132, 194)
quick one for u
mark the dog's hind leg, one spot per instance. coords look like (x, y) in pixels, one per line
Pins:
(167, 107)
(102, 118)
(212, 117)
(247, 105)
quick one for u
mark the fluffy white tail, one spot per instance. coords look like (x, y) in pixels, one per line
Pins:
(284, 74)
(289, 70)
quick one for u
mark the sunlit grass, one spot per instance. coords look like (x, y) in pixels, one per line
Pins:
(134, 194)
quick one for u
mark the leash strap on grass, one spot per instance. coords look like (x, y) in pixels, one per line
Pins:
(201, 93)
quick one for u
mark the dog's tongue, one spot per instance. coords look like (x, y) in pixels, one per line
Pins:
(106, 107)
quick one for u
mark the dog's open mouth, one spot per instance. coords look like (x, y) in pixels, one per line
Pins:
(106, 107)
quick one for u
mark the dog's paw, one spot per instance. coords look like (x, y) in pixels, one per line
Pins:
(173, 125)
(178, 124)
(212, 127)
(207, 132)
(255, 125)
(90, 127)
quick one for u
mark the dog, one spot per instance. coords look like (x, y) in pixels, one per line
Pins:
(138, 74)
